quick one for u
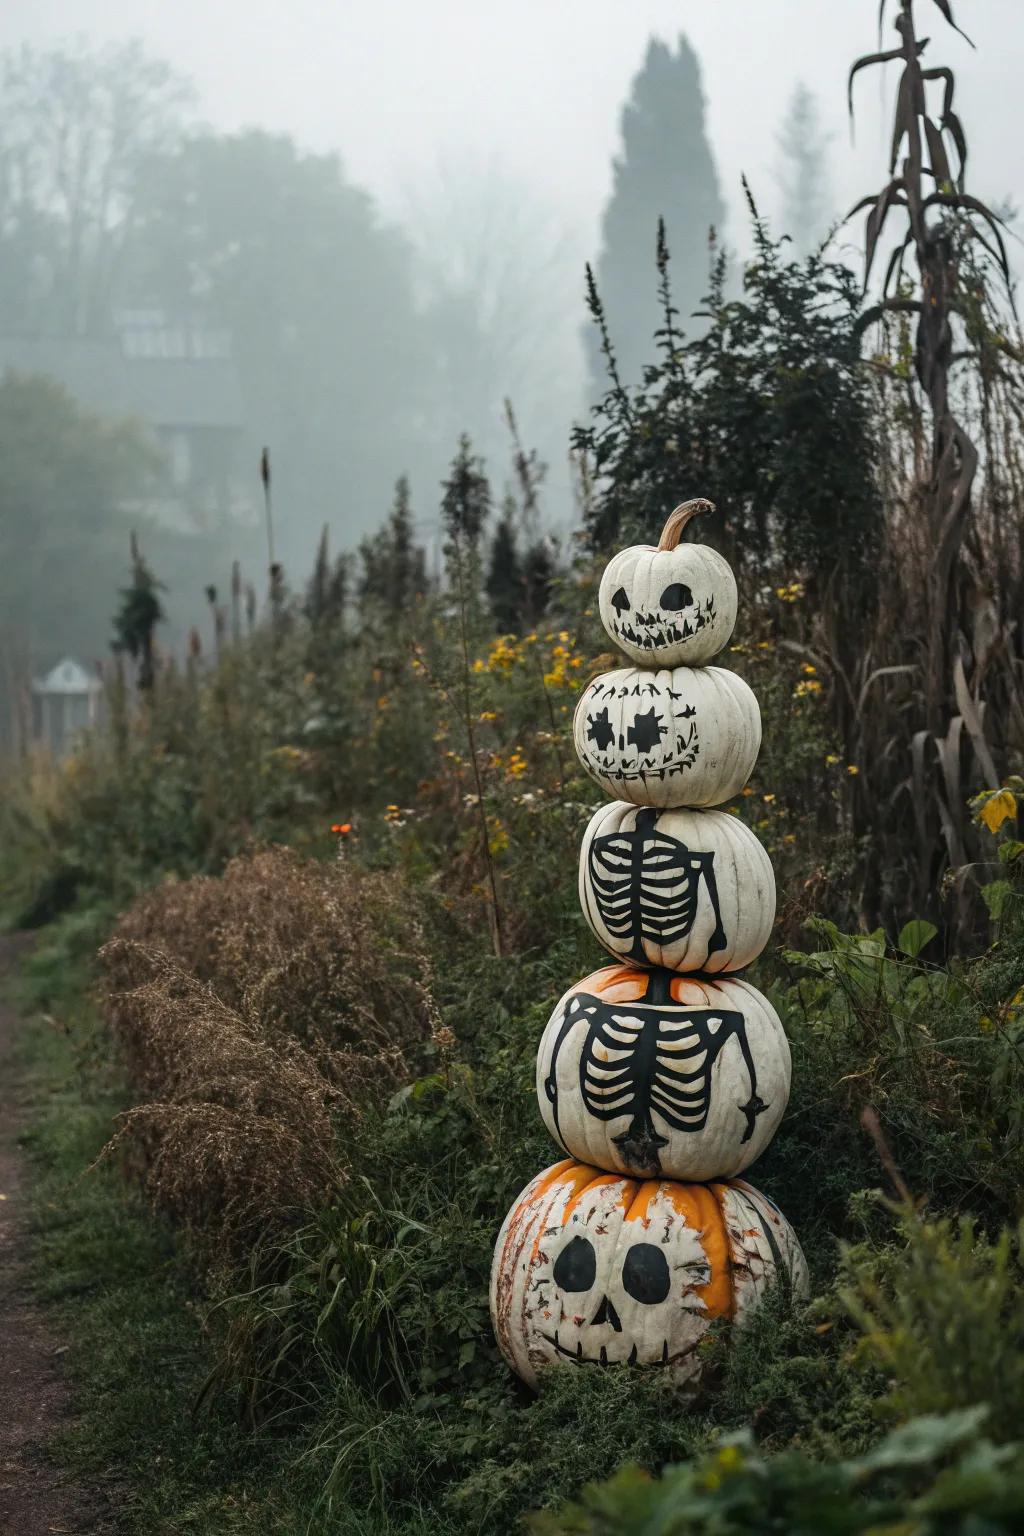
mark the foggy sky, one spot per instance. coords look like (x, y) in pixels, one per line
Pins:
(535, 86)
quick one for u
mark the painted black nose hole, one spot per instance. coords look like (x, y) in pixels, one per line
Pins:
(606, 1313)
(645, 1274)
(676, 596)
(576, 1265)
(620, 602)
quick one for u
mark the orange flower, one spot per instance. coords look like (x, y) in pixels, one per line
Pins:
(341, 827)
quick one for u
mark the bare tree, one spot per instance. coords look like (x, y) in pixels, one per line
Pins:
(78, 127)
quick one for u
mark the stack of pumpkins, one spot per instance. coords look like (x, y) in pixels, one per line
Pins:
(664, 1075)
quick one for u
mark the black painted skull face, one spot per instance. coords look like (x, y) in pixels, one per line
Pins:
(642, 730)
(676, 615)
(609, 1291)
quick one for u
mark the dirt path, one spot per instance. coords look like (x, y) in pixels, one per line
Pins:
(35, 1499)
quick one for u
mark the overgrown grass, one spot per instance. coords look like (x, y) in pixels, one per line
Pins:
(123, 1297)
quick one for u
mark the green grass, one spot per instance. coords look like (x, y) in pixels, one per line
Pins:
(119, 1293)
(382, 1409)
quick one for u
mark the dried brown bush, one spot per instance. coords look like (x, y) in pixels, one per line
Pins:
(327, 954)
(258, 1016)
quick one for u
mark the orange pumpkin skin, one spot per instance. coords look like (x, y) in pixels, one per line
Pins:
(593, 1268)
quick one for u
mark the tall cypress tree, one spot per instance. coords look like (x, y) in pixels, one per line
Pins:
(665, 170)
(803, 173)
(504, 585)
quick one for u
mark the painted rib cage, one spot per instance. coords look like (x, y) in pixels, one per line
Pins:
(647, 885)
(674, 1080)
(642, 1064)
(638, 1063)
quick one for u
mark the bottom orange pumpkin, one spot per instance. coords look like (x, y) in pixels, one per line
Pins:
(594, 1268)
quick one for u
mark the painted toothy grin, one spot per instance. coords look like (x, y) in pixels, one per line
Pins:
(651, 632)
(579, 1358)
(631, 769)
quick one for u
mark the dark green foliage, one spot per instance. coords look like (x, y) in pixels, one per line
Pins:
(665, 171)
(394, 566)
(937, 1310)
(327, 592)
(465, 503)
(768, 413)
(505, 585)
(539, 574)
(139, 614)
(933, 1477)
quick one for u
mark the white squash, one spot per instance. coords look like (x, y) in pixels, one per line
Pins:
(669, 604)
(653, 1074)
(689, 736)
(690, 890)
(591, 1268)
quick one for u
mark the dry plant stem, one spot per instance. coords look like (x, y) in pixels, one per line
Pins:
(467, 717)
(677, 521)
(267, 505)
(554, 726)
(871, 1123)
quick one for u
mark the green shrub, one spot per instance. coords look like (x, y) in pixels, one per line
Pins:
(942, 1315)
(936, 1476)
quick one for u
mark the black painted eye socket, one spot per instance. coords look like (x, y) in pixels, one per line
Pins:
(645, 1274)
(676, 596)
(620, 602)
(576, 1265)
(646, 731)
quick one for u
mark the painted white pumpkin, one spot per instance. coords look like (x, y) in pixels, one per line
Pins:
(690, 890)
(686, 736)
(669, 604)
(654, 1074)
(591, 1268)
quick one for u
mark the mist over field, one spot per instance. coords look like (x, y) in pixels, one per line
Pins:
(352, 233)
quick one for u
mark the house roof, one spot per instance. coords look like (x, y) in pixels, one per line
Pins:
(164, 391)
(68, 676)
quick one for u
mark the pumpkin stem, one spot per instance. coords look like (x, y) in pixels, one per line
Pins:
(678, 520)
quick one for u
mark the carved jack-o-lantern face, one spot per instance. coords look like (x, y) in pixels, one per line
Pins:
(689, 736)
(594, 1269)
(671, 604)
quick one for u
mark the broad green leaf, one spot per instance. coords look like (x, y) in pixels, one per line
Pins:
(914, 936)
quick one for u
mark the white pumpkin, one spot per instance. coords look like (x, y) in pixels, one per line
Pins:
(690, 890)
(669, 604)
(689, 736)
(591, 1268)
(654, 1074)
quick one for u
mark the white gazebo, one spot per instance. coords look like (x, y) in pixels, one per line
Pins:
(64, 702)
